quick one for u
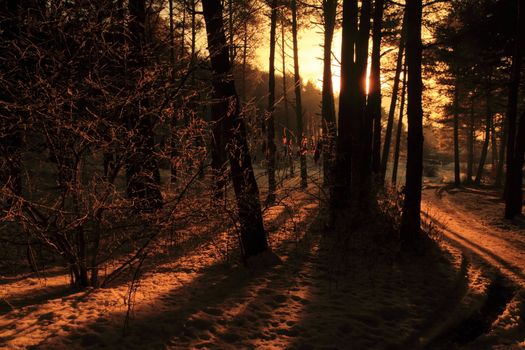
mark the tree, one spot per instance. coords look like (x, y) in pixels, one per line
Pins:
(515, 143)
(411, 216)
(328, 104)
(142, 171)
(10, 133)
(374, 93)
(488, 128)
(270, 128)
(298, 104)
(253, 235)
(399, 126)
(361, 124)
(457, 176)
(393, 101)
(340, 192)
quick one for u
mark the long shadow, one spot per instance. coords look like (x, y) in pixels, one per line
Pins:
(191, 313)
(193, 243)
(371, 303)
(51, 293)
(467, 245)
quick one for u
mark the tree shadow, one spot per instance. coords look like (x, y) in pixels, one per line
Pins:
(197, 313)
(372, 299)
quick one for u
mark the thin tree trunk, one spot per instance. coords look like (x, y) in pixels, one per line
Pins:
(173, 136)
(374, 99)
(399, 126)
(244, 57)
(470, 143)
(514, 200)
(328, 104)
(287, 133)
(393, 101)
(501, 156)
(298, 104)
(411, 216)
(253, 236)
(457, 172)
(270, 128)
(488, 127)
(494, 145)
(515, 145)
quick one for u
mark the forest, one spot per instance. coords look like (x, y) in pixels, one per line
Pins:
(262, 174)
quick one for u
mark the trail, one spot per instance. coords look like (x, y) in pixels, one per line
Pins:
(474, 232)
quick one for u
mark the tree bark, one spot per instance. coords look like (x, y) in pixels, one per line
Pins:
(411, 216)
(253, 235)
(298, 103)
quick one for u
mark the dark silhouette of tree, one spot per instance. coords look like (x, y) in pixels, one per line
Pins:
(253, 235)
(142, 171)
(298, 104)
(328, 103)
(411, 216)
(270, 127)
(393, 101)
(515, 140)
(399, 129)
(374, 93)
(10, 133)
(340, 192)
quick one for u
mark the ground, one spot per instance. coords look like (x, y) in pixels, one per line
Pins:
(316, 298)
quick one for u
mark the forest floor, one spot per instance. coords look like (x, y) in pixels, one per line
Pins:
(470, 219)
(369, 296)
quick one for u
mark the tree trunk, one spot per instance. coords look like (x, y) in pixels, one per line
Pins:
(411, 216)
(173, 137)
(340, 193)
(494, 145)
(457, 172)
(270, 127)
(298, 104)
(253, 236)
(399, 126)
(470, 143)
(488, 127)
(361, 128)
(374, 99)
(515, 145)
(501, 156)
(142, 171)
(328, 104)
(10, 133)
(393, 101)
(287, 133)
(514, 199)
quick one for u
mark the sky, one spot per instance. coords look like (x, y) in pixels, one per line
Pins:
(310, 56)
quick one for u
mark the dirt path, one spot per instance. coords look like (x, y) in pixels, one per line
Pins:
(468, 220)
